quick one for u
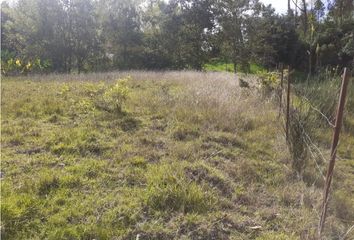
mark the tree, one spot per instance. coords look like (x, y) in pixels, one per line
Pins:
(122, 32)
(85, 43)
(341, 11)
(89, 35)
(232, 19)
(187, 31)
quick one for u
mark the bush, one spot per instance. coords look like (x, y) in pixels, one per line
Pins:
(115, 96)
(17, 66)
(268, 82)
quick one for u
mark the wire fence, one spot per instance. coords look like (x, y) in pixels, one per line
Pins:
(313, 148)
(301, 113)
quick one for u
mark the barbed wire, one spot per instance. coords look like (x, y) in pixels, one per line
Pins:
(325, 101)
(313, 149)
(316, 109)
(321, 113)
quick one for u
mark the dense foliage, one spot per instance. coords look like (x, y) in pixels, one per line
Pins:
(98, 35)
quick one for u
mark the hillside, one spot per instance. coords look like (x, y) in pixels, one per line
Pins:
(149, 155)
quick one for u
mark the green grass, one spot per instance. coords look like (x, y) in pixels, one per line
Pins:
(219, 66)
(184, 156)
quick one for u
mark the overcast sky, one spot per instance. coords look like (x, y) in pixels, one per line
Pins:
(280, 6)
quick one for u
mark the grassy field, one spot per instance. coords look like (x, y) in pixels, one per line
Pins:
(181, 155)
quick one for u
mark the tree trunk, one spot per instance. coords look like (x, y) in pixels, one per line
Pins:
(79, 65)
(295, 17)
(305, 16)
(125, 56)
(70, 63)
(340, 12)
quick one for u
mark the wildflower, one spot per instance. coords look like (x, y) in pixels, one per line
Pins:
(28, 66)
(18, 62)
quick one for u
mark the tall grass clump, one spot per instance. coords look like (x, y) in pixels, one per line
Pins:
(169, 189)
(321, 93)
(298, 128)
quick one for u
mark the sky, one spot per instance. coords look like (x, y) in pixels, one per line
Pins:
(280, 6)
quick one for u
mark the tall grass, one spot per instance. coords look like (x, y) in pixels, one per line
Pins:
(314, 106)
(186, 155)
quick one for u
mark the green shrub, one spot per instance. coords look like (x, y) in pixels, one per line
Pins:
(115, 96)
(94, 89)
(268, 82)
(16, 66)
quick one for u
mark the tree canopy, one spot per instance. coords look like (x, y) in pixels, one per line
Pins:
(99, 35)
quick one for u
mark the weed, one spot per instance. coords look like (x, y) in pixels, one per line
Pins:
(115, 96)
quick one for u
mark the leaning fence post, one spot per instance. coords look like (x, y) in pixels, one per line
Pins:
(337, 127)
(288, 106)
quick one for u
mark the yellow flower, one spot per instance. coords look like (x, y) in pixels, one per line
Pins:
(18, 62)
(28, 66)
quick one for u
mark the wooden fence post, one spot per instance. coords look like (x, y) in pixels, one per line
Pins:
(337, 128)
(288, 106)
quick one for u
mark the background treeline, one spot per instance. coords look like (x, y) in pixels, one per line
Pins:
(99, 35)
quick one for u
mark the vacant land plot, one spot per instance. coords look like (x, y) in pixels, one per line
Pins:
(177, 155)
